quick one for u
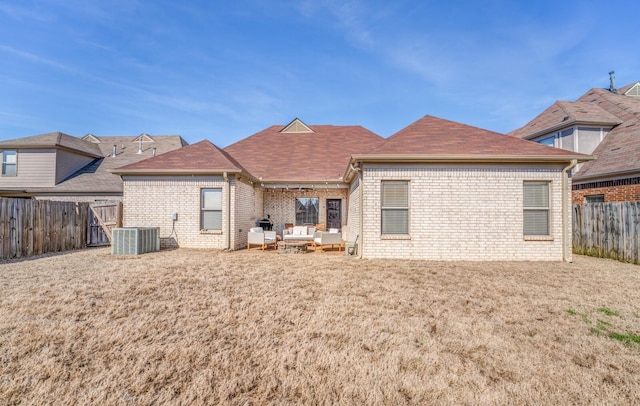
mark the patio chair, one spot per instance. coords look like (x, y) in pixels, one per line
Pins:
(323, 238)
(257, 236)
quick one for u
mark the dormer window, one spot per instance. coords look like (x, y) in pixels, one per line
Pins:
(578, 139)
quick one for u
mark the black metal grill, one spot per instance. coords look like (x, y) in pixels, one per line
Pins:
(264, 223)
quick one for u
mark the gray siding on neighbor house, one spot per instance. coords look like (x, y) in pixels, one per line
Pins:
(68, 162)
(36, 168)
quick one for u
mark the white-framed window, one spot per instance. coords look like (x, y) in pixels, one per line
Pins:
(211, 209)
(395, 207)
(9, 163)
(536, 216)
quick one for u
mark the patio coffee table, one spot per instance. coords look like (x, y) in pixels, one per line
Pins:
(293, 246)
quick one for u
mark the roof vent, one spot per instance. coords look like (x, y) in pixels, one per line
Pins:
(114, 151)
(612, 82)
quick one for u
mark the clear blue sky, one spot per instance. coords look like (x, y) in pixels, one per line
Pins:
(225, 70)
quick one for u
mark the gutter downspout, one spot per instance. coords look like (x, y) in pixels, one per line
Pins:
(228, 231)
(565, 215)
(361, 204)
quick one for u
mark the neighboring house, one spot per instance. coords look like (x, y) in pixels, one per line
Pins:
(436, 190)
(602, 122)
(57, 166)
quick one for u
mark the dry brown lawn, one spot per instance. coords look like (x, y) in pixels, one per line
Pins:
(206, 327)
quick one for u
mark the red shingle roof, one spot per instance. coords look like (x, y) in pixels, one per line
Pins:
(306, 157)
(200, 157)
(436, 136)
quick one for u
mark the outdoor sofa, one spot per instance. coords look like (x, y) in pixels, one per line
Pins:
(300, 233)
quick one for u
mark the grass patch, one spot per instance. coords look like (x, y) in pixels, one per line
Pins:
(627, 339)
(603, 328)
(608, 312)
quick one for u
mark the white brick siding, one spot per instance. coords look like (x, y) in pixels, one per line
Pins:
(248, 209)
(150, 201)
(353, 229)
(462, 213)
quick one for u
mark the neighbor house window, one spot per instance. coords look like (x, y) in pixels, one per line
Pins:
(211, 209)
(536, 208)
(395, 207)
(9, 163)
(594, 199)
(549, 141)
(307, 209)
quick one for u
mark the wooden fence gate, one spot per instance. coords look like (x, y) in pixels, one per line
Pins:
(103, 217)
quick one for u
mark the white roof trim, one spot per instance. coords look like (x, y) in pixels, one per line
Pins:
(91, 138)
(296, 126)
(633, 90)
(144, 137)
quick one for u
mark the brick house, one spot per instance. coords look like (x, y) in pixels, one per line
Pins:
(602, 122)
(292, 173)
(436, 190)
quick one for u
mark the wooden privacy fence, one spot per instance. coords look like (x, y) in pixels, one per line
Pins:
(607, 230)
(31, 227)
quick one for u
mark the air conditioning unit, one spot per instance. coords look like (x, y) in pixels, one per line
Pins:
(135, 240)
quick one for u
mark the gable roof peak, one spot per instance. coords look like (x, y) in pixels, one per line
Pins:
(297, 126)
(144, 137)
(91, 138)
(633, 90)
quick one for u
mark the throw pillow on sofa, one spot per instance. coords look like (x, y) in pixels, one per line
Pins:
(299, 230)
